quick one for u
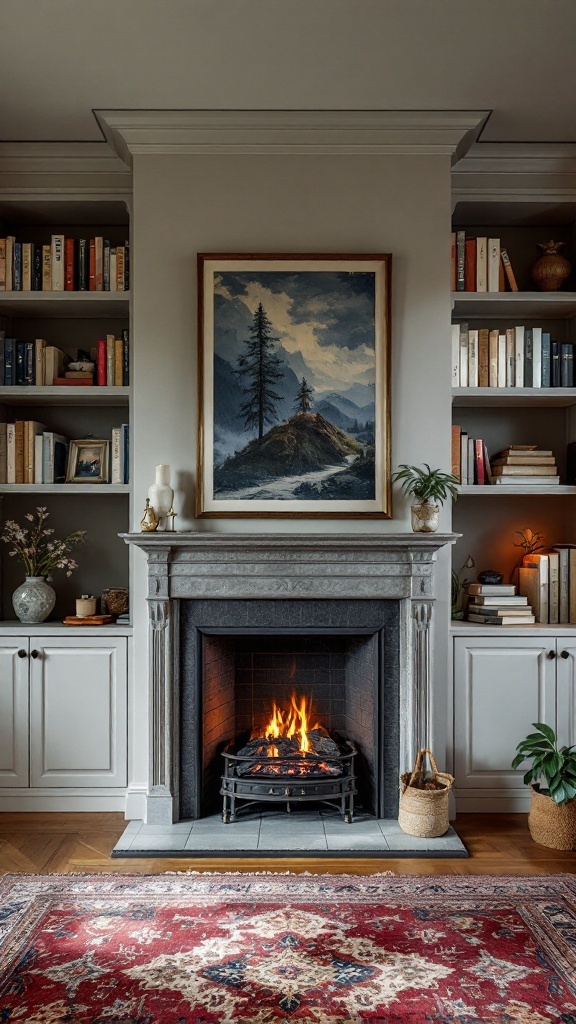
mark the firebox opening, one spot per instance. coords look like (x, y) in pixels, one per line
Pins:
(304, 692)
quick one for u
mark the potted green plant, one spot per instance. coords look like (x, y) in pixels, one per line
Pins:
(552, 818)
(430, 488)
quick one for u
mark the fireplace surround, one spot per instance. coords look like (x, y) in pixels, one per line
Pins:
(298, 585)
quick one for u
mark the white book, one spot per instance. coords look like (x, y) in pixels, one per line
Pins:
(553, 587)
(463, 355)
(464, 457)
(117, 456)
(3, 453)
(57, 263)
(501, 360)
(493, 264)
(541, 563)
(536, 357)
(500, 600)
(519, 357)
(473, 359)
(510, 358)
(493, 359)
(10, 453)
(481, 265)
(38, 458)
(455, 355)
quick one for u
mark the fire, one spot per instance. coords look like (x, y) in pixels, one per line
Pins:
(293, 721)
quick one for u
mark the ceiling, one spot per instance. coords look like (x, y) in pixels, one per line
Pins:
(61, 59)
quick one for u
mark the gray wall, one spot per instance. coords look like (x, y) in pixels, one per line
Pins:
(189, 204)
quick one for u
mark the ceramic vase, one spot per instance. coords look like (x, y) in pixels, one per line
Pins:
(425, 517)
(161, 496)
(551, 270)
(34, 599)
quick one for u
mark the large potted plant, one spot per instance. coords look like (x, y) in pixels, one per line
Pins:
(552, 818)
(430, 489)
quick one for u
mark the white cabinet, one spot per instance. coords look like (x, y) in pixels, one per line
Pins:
(63, 712)
(502, 684)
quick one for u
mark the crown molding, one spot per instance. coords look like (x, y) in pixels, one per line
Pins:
(62, 168)
(228, 132)
(521, 171)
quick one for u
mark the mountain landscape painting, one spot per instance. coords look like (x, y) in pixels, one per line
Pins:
(294, 364)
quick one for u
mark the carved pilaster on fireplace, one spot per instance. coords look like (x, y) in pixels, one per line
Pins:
(422, 617)
(160, 800)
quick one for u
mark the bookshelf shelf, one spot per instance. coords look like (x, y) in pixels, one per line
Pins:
(559, 398)
(59, 396)
(484, 491)
(65, 489)
(74, 305)
(531, 305)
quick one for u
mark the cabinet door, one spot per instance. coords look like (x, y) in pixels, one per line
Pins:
(13, 711)
(78, 711)
(566, 690)
(501, 686)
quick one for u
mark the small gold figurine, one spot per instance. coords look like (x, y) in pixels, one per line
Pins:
(170, 516)
(149, 521)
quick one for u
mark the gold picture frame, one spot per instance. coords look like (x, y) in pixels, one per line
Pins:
(294, 385)
(88, 462)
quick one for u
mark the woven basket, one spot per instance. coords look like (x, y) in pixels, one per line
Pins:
(550, 824)
(424, 812)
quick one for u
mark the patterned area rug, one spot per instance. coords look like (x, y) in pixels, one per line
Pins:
(262, 949)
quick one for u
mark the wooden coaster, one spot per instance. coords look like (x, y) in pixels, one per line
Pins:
(88, 620)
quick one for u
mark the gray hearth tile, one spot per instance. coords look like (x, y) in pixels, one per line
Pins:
(275, 816)
(132, 827)
(358, 827)
(352, 842)
(389, 826)
(290, 841)
(299, 827)
(178, 828)
(404, 842)
(216, 843)
(165, 843)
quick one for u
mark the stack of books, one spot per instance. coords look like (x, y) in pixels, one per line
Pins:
(524, 464)
(498, 604)
(548, 581)
(480, 265)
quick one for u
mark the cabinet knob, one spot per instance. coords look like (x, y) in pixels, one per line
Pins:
(21, 653)
(551, 654)
(34, 654)
(564, 654)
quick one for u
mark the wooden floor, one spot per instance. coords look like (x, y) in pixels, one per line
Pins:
(47, 843)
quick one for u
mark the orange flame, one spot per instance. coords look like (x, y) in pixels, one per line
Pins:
(293, 721)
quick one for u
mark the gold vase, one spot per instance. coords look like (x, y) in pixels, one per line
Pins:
(551, 270)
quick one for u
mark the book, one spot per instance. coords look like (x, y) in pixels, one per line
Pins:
(463, 355)
(54, 456)
(69, 264)
(502, 360)
(110, 356)
(117, 456)
(510, 358)
(20, 363)
(2, 264)
(455, 456)
(38, 452)
(460, 260)
(471, 460)
(481, 265)
(555, 370)
(120, 268)
(519, 357)
(453, 262)
(492, 589)
(493, 264)
(455, 375)
(528, 357)
(57, 262)
(525, 480)
(60, 382)
(546, 379)
(17, 267)
(27, 266)
(503, 620)
(113, 281)
(101, 364)
(91, 265)
(31, 428)
(98, 263)
(46, 269)
(501, 600)
(553, 587)
(79, 375)
(10, 262)
(480, 609)
(82, 265)
(126, 265)
(493, 359)
(508, 270)
(479, 467)
(3, 453)
(525, 460)
(472, 358)
(37, 268)
(10, 453)
(470, 265)
(536, 357)
(523, 451)
(487, 466)
(541, 565)
(118, 359)
(39, 361)
(464, 458)
(563, 555)
(29, 363)
(515, 470)
(55, 362)
(9, 361)
(483, 358)
(566, 365)
(126, 447)
(19, 451)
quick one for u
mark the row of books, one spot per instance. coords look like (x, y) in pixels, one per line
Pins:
(35, 363)
(64, 264)
(31, 454)
(480, 265)
(515, 466)
(548, 581)
(517, 357)
(497, 604)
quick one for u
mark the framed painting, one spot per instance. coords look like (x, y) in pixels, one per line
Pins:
(294, 394)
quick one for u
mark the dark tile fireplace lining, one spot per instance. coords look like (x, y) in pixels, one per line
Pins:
(214, 635)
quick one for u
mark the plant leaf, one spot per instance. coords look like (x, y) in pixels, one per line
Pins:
(545, 730)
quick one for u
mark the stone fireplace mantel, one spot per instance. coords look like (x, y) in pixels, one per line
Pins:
(184, 566)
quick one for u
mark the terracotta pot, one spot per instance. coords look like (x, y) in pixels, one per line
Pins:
(550, 824)
(425, 517)
(551, 270)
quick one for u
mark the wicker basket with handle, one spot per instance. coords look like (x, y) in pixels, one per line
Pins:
(424, 812)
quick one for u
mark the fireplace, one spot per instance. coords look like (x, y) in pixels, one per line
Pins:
(349, 615)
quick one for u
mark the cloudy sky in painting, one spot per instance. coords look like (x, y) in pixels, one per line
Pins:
(324, 321)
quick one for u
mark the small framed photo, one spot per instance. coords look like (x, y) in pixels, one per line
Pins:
(88, 462)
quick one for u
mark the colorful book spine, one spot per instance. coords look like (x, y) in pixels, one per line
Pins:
(69, 265)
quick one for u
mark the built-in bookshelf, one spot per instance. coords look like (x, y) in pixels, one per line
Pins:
(70, 319)
(488, 516)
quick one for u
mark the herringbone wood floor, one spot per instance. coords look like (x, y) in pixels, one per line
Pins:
(46, 843)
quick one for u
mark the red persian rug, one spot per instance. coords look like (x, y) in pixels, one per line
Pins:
(311, 949)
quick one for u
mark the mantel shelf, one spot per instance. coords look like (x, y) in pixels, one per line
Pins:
(502, 397)
(532, 305)
(64, 488)
(78, 396)
(64, 305)
(485, 491)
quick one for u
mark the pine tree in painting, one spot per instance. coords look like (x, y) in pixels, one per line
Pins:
(260, 369)
(304, 397)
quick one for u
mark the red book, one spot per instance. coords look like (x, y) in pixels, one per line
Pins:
(82, 382)
(479, 471)
(453, 264)
(92, 266)
(101, 365)
(470, 265)
(69, 265)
